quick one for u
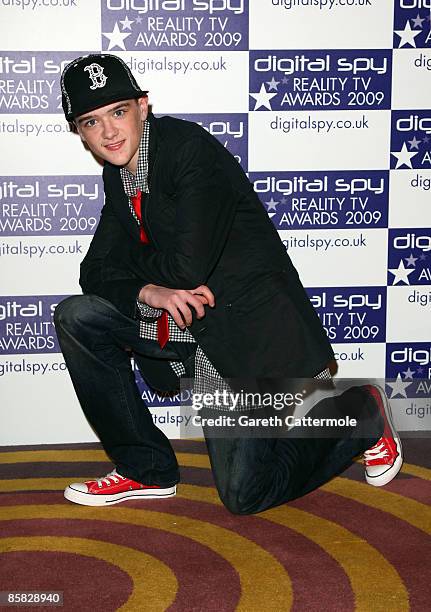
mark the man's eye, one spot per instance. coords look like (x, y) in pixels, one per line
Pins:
(90, 123)
(119, 112)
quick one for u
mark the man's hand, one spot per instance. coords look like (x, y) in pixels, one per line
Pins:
(178, 301)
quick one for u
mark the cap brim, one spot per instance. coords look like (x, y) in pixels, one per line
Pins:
(87, 108)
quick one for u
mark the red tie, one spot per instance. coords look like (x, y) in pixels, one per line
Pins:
(162, 322)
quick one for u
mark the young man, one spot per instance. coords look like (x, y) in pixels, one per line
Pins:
(187, 271)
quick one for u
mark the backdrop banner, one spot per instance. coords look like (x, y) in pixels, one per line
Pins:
(325, 104)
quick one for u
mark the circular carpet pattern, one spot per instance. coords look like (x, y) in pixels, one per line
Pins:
(345, 547)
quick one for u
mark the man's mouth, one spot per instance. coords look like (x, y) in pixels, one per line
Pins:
(115, 146)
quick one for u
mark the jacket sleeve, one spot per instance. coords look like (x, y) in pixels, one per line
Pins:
(205, 207)
(116, 283)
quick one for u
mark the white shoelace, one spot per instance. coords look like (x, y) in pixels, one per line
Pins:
(114, 475)
(376, 452)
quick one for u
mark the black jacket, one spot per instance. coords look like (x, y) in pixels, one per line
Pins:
(207, 226)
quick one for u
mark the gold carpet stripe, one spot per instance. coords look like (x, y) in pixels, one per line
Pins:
(259, 572)
(84, 456)
(408, 510)
(416, 470)
(146, 572)
(375, 583)
(38, 484)
(37, 456)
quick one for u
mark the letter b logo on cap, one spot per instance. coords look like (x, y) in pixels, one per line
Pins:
(95, 72)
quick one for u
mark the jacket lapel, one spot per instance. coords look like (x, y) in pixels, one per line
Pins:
(153, 145)
(114, 191)
(153, 152)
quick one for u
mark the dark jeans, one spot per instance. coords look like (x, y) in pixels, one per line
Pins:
(251, 474)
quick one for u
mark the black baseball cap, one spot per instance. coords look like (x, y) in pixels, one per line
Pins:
(95, 80)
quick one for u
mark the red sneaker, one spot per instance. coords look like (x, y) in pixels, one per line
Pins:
(383, 461)
(113, 489)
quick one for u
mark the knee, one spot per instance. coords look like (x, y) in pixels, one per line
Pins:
(71, 310)
(237, 503)
(252, 504)
(235, 507)
(253, 494)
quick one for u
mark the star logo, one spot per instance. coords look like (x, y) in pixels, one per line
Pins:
(262, 98)
(272, 205)
(409, 373)
(116, 38)
(414, 144)
(417, 22)
(404, 157)
(411, 261)
(399, 387)
(273, 84)
(401, 273)
(126, 23)
(407, 35)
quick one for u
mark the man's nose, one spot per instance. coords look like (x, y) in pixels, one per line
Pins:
(109, 129)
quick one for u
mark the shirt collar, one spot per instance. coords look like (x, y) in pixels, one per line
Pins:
(133, 183)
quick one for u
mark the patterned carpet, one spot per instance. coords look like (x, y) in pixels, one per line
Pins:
(345, 547)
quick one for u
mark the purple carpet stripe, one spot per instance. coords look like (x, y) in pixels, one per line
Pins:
(414, 488)
(196, 476)
(43, 447)
(48, 469)
(189, 446)
(82, 579)
(417, 451)
(408, 549)
(22, 498)
(185, 557)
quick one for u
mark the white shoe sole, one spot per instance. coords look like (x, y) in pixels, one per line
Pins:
(91, 499)
(380, 480)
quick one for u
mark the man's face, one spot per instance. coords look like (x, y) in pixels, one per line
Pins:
(113, 132)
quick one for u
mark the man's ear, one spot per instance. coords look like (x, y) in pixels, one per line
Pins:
(143, 105)
(78, 131)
